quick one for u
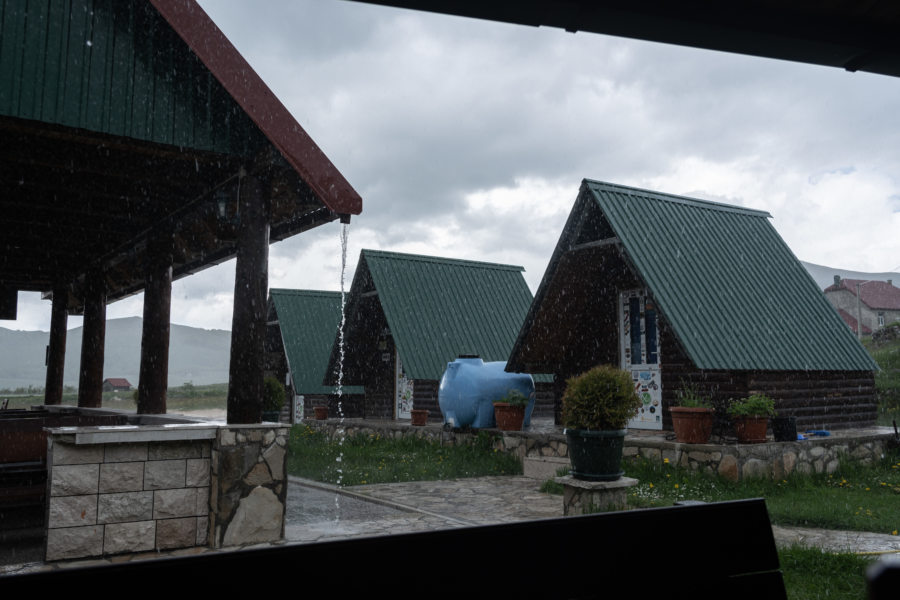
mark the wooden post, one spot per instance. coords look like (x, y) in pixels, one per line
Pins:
(248, 325)
(56, 353)
(154, 371)
(90, 380)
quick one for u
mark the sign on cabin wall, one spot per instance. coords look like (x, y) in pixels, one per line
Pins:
(639, 349)
(404, 390)
(298, 408)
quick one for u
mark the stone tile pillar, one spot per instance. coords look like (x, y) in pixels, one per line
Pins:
(248, 485)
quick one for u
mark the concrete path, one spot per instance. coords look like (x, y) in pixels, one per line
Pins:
(321, 512)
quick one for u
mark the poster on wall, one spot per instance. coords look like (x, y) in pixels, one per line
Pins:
(298, 408)
(404, 387)
(639, 349)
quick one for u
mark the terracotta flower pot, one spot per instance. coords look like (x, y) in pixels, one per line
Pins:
(751, 430)
(693, 425)
(419, 416)
(321, 412)
(509, 417)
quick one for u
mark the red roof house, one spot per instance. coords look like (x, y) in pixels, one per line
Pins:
(116, 384)
(877, 304)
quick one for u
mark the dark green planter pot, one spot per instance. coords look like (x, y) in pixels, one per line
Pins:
(271, 415)
(596, 455)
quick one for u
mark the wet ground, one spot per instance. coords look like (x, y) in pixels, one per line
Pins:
(416, 506)
(318, 512)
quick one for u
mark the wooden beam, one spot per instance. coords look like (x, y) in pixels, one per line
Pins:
(154, 370)
(56, 352)
(93, 338)
(248, 326)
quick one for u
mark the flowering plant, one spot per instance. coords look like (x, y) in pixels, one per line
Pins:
(755, 405)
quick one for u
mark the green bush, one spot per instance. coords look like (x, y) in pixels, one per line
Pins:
(273, 394)
(600, 399)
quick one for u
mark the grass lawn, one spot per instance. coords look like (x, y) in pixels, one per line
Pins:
(855, 497)
(810, 574)
(365, 459)
(181, 398)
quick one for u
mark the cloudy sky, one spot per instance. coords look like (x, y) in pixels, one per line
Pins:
(469, 139)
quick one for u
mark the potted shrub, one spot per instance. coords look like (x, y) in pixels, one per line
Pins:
(692, 418)
(751, 417)
(273, 399)
(509, 411)
(596, 408)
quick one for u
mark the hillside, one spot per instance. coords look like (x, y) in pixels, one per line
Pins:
(824, 276)
(197, 355)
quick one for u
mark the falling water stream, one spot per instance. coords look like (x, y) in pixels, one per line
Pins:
(345, 232)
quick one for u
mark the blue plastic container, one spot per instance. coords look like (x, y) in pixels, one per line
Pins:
(470, 386)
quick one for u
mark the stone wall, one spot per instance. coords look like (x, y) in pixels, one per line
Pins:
(733, 461)
(134, 489)
(126, 497)
(770, 460)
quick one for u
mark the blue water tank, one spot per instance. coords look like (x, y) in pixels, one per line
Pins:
(470, 386)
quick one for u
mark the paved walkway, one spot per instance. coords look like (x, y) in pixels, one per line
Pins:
(416, 506)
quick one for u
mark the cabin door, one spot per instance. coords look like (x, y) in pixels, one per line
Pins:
(639, 349)
(403, 390)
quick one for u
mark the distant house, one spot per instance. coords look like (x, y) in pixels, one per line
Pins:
(300, 330)
(876, 305)
(409, 315)
(116, 384)
(687, 292)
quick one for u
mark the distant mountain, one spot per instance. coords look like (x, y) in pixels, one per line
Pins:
(824, 276)
(197, 355)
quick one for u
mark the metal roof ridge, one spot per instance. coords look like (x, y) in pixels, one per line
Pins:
(675, 199)
(441, 259)
(296, 292)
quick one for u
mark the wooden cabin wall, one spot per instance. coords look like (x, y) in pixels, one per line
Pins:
(274, 359)
(352, 405)
(545, 400)
(820, 399)
(379, 398)
(425, 396)
(377, 367)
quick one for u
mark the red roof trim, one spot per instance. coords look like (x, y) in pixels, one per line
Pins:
(246, 87)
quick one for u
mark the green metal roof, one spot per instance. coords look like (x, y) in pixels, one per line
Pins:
(439, 308)
(735, 295)
(308, 320)
(117, 68)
